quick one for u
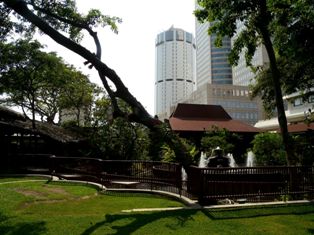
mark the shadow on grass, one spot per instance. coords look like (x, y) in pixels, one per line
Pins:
(3, 218)
(241, 213)
(34, 228)
(137, 220)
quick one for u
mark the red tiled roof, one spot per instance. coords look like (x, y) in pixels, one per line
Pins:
(178, 124)
(191, 117)
(300, 127)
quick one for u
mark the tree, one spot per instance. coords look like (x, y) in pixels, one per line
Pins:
(117, 138)
(293, 29)
(259, 18)
(77, 96)
(39, 82)
(61, 21)
(268, 149)
(26, 78)
(168, 155)
(294, 45)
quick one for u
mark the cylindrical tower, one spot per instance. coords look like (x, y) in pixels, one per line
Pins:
(175, 69)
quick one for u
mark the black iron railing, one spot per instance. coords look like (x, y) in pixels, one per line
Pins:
(252, 183)
(205, 184)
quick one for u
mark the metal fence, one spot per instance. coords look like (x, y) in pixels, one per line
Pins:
(116, 173)
(252, 183)
(205, 184)
(151, 175)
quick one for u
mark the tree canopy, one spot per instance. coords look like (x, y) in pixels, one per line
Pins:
(292, 28)
(268, 22)
(40, 82)
(62, 22)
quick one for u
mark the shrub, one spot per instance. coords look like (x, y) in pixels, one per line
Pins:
(268, 149)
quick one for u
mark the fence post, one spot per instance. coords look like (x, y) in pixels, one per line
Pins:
(52, 164)
(201, 186)
(179, 178)
(293, 184)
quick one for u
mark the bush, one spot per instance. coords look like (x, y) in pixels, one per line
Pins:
(268, 149)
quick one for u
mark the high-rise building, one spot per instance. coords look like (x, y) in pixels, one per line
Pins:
(212, 64)
(243, 75)
(175, 69)
(214, 78)
(234, 99)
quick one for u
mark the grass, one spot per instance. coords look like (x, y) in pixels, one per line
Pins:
(43, 207)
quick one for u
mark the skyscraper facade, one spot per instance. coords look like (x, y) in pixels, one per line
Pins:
(212, 64)
(175, 69)
(242, 74)
(214, 78)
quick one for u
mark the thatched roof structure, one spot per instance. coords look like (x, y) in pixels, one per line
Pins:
(9, 114)
(13, 122)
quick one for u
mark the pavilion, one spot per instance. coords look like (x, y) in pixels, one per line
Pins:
(200, 118)
(191, 121)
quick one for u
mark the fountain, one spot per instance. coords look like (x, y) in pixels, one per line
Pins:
(217, 159)
(183, 174)
(203, 160)
(250, 159)
(232, 162)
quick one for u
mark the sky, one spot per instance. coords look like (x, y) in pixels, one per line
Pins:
(131, 52)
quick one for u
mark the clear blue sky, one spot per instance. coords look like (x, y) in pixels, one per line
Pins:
(131, 53)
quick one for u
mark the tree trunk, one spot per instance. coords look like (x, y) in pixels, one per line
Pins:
(263, 27)
(33, 113)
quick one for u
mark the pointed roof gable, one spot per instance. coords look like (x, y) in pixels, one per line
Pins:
(199, 117)
(200, 111)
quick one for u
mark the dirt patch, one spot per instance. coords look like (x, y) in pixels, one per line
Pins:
(56, 190)
(27, 192)
(88, 196)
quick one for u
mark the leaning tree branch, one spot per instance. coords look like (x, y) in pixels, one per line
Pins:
(117, 112)
(78, 24)
(140, 114)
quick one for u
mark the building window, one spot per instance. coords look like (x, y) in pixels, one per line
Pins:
(169, 35)
(179, 35)
(188, 37)
(218, 49)
(311, 99)
(160, 38)
(297, 102)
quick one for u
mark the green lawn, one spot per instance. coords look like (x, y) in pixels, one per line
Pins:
(42, 207)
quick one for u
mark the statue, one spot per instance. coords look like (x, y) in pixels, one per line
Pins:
(217, 159)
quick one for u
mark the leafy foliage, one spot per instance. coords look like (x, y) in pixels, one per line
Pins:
(61, 21)
(116, 138)
(268, 149)
(60, 14)
(303, 147)
(292, 28)
(219, 138)
(40, 82)
(168, 154)
(78, 96)
(284, 28)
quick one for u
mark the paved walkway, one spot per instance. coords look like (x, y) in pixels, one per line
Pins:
(21, 181)
(246, 205)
